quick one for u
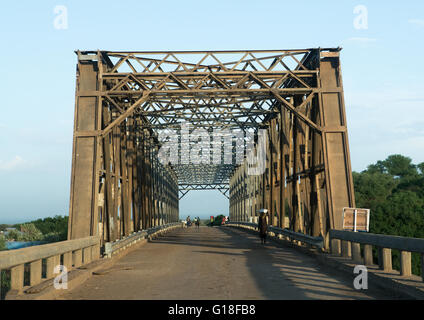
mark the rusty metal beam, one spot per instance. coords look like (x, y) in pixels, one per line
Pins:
(124, 99)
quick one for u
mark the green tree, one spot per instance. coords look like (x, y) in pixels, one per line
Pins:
(394, 191)
(373, 188)
(52, 229)
(14, 235)
(399, 166)
(30, 232)
(420, 166)
(2, 243)
(3, 227)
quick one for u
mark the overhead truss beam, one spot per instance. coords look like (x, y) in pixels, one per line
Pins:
(125, 101)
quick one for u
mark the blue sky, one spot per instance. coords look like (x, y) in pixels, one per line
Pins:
(382, 74)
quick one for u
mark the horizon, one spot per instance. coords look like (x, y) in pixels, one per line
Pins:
(192, 211)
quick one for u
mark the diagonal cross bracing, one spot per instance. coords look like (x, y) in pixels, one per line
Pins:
(151, 125)
(210, 90)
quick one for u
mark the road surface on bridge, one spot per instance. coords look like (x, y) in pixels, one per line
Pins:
(218, 263)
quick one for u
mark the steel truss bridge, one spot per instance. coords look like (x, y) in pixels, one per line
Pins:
(131, 104)
(266, 128)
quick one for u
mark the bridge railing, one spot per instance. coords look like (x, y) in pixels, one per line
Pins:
(39, 262)
(317, 242)
(112, 248)
(348, 244)
(31, 266)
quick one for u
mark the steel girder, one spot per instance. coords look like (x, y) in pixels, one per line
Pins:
(141, 93)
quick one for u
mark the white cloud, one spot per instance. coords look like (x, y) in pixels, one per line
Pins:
(12, 164)
(418, 22)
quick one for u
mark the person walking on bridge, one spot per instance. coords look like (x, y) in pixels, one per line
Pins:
(262, 225)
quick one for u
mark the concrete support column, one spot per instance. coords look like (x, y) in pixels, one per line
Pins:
(67, 260)
(368, 255)
(52, 262)
(35, 272)
(77, 258)
(17, 278)
(335, 246)
(405, 263)
(346, 249)
(356, 252)
(385, 259)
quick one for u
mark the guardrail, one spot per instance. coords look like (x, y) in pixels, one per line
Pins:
(40, 261)
(112, 248)
(351, 242)
(291, 235)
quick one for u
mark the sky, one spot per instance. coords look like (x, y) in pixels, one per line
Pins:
(381, 61)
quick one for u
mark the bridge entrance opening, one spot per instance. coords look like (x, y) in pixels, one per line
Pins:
(203, 204)
(266, 128)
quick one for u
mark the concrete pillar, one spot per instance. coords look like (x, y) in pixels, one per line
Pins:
(17, 278)
(52, 262)
(385, 257)
(405, 263)
(35, 272)
(356, 252)
(335, 246)
(346, 249)
(95, 252)
(368, 255)
(67, 260)
(77, 258)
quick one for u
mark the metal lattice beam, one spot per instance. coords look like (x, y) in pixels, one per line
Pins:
(131, 105)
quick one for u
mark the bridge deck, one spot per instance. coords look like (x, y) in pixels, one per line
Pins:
(218, 263)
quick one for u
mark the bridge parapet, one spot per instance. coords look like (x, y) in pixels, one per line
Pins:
(287, 234)
(38, 263)
(30, 261)
(348, 244)
(112, 248)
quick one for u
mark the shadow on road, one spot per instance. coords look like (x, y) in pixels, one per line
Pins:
(279, 272)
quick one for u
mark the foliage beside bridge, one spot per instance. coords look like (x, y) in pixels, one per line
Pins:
(52, 229)
(394, 191)
(2, 243)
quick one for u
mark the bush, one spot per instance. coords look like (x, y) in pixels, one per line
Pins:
(2, 243)
(30, 232)
(14, 235)
(55, 237)
(48, 229)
